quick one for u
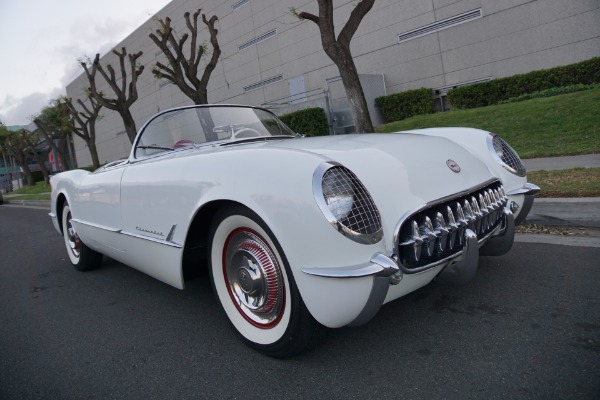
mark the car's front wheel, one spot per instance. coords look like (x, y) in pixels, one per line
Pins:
(82, 257)
(255, 286)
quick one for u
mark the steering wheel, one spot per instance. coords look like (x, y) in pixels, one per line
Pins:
(247, 132)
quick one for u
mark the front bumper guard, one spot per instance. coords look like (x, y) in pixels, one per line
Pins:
(386, 271)
(529, 190)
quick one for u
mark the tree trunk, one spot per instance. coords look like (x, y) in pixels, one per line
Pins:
(22, 161)
(129, 123)
(338, 50)
(28, 174)
(41, 162)
(63, 152)
(93, 153)
(355, 94)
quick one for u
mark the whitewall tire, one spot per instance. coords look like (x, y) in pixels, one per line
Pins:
(255, 286)
(82, 257)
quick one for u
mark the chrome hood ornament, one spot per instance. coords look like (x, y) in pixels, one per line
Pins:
(453, 165)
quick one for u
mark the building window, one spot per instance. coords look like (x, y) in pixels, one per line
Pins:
(440, 25)
(258, 39)
(263, 83)
(238, 4)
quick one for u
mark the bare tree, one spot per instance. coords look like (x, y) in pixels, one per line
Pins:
(125, 94)
(183, 70)
(83, 123)
(338, 49)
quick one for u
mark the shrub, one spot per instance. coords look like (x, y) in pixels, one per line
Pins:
(398, 106)
(492, 92)
(309, 122)
(37, 176)
(550, 92)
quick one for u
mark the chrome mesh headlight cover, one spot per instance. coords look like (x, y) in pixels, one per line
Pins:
(346, 203)
(505, 155)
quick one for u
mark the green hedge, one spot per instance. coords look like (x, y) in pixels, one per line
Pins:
(37, 176)
(309, 122)
(398, 106)
(497, 90)
(551, 92)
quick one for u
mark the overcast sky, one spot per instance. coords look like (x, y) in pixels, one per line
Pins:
(42, 41)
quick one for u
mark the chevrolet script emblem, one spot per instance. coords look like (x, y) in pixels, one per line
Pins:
(453, 166)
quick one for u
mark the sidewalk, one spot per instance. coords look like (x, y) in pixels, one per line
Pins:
(554, 163)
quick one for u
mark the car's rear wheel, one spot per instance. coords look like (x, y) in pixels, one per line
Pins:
(255, 286)
(82, 257)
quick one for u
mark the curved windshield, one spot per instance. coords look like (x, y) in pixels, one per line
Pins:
(192, 126)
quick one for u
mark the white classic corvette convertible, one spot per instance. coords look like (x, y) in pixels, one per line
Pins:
(295, 232)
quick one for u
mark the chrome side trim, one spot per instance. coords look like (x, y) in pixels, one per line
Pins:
(151, 239)
(380, 266)
(97, 226)
(171, 234)
(167, 242)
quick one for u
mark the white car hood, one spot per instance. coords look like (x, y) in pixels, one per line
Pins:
(401, 171)
(418, 159)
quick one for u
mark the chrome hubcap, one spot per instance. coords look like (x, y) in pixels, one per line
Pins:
(253, 278)
(73, 237)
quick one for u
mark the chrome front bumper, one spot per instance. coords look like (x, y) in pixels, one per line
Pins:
(460, 268)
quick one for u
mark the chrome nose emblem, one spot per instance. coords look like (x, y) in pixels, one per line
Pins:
(453, 165)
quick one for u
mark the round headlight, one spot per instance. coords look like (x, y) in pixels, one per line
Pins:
(505, 155)
(338, 193)
(346, 203)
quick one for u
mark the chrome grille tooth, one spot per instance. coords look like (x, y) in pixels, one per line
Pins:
(488, 201)
(484, 211)
(498, 204)
(428, 236)
(490, 193)
(413, 242)
(478, 215)
(469, 215)
(497, 197)
(453, 227)
(492, 214)
(441, 232)
(462, 223)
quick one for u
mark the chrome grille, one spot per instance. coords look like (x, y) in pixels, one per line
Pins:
(438, 231)
(363, 217)
(508, 157)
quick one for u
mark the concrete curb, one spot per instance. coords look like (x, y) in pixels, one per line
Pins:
(583, 211)
(45, 204)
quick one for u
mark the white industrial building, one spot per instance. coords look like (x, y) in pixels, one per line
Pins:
(271, 58)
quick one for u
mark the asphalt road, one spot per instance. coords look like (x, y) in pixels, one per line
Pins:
(527, 327)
